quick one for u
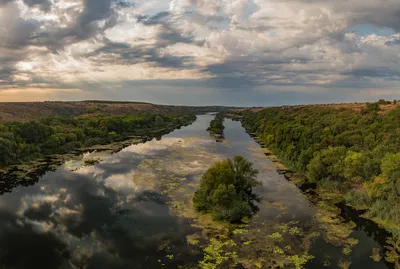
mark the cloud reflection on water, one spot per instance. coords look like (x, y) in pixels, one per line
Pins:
(112, 215)
(94, 216)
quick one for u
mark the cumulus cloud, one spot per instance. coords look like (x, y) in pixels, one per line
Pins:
(108, 48)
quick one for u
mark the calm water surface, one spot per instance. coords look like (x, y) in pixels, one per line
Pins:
(115, 214)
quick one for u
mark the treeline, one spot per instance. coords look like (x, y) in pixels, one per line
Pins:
(357, 153)
(23, 141)
(217, 127)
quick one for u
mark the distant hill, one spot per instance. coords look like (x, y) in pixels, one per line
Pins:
(113, 102)
(23, 111)
(207, 109)
(385, 106)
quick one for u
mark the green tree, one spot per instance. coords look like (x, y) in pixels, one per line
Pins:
(391, 172)
(354, 165)
(112, 136)
(383, 102)
(327, 164)
(226, 190)
(8, 151)
(52, 143)
(371, 108)
(338, 144)
(159, 121)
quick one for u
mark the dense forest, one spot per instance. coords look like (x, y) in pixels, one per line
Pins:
(23, 141)
(356, 153)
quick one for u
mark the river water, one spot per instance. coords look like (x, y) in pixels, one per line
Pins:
(130, 210)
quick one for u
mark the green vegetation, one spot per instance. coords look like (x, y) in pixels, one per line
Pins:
(23, 141)
(217, 127)
(226, 190)
(354, 153)
(215, 254)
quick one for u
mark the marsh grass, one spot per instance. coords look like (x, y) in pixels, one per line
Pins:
(386, 210)
(332, 185)
(358, 199)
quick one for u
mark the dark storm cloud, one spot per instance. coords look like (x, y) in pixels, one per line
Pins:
(390, 18)
(165, 18)
(159, 18)
(6, 71)
(84, 27)
(17, 34)
(393, 42)
(123, 53)
(255, 28)
(384, 72)
(44, 5)
(170, 34)
(124, 3)
(236, 74)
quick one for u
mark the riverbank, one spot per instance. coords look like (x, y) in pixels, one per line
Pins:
(335, 214)
(29, 172)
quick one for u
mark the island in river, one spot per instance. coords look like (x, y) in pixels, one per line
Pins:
(132, 208)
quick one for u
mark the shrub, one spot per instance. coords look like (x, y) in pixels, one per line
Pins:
(356, 197)
(331, 185)
(327, 164)
(386, 210)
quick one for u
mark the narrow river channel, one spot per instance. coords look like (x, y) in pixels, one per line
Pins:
(132, 210)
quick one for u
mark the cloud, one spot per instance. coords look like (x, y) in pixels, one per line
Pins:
(44, 5)
(94, 17)
(240, 45)
(15, 33)
(3, 2)
(126, 54)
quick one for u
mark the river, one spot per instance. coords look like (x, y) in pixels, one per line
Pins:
(132, 210)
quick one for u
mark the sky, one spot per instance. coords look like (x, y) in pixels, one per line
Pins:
(200, 52)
